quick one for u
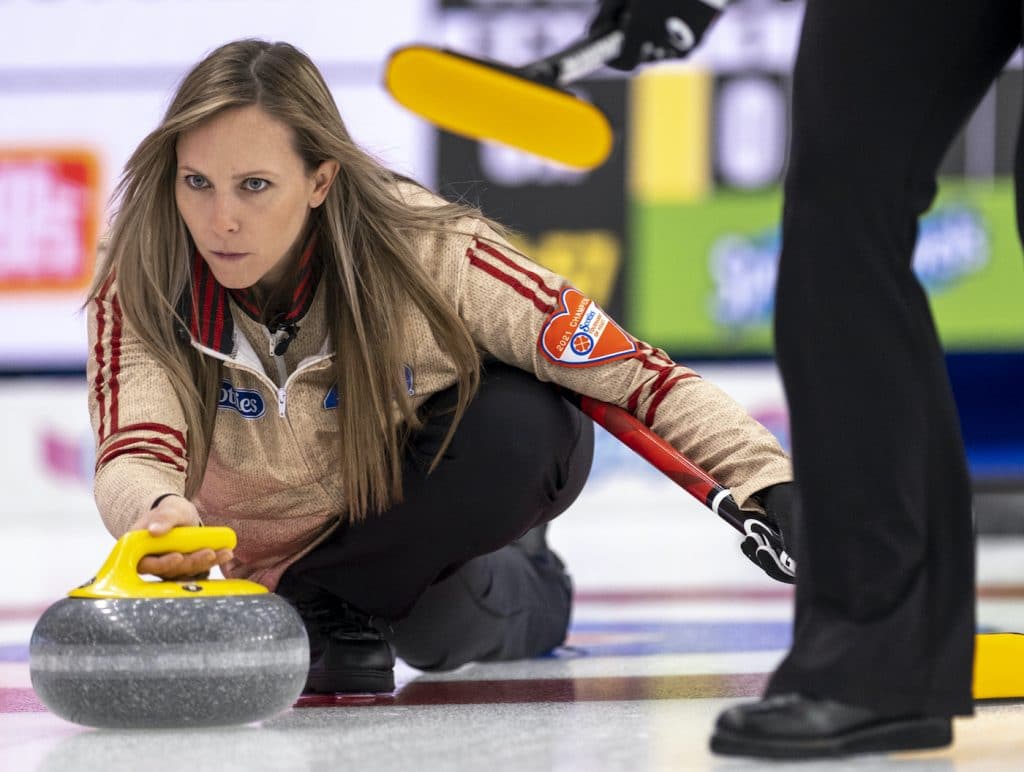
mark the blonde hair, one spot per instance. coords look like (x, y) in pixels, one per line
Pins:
(364, 237)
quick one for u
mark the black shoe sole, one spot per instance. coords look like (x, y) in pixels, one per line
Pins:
(912, 735)
(360, 681)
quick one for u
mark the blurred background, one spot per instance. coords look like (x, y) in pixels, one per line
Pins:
(676, 235)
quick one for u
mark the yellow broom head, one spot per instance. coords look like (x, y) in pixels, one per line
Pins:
(482, 101)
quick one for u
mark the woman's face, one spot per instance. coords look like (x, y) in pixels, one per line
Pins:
(245, 194)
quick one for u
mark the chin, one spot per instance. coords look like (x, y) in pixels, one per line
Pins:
(231, 280)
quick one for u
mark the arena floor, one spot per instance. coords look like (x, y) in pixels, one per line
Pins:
(671, 625)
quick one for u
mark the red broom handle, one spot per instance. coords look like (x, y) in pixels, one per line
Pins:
(666, 459)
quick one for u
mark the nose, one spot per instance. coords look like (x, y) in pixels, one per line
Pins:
(224, 215)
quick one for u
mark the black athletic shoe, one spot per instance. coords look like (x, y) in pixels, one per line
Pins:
(347, 653)
(791, 726)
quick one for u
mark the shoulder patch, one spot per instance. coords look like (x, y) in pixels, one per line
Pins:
(580, 334)
(248, 403)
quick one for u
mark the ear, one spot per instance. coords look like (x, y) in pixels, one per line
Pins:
(323, 176)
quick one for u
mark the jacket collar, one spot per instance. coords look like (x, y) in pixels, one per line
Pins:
(207, 312)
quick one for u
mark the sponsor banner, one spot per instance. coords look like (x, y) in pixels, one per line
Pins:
(707, 271)
(49, 214)
(704, 255)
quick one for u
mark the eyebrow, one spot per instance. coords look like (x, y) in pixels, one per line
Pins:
(244, 175)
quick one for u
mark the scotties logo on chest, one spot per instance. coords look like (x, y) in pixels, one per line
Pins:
(248, 403)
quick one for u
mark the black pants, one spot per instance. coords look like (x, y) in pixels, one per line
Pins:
(885, 592)
(440, 566)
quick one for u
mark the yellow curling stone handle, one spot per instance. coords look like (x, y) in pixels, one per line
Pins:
(998, 666)
(119, 576)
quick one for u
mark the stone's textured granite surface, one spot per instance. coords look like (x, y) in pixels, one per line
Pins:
(134, 663)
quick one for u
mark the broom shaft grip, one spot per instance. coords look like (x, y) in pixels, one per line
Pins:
(577, 60)
(664, 457)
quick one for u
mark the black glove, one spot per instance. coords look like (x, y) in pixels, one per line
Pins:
(766, 536)
(655, 29)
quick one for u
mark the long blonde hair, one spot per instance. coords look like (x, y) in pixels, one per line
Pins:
(364, 236)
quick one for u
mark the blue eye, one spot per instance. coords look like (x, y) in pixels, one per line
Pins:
(255, 184)
(196, 181)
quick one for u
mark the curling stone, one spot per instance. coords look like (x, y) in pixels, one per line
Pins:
(124, 652)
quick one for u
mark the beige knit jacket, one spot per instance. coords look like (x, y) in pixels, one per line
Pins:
(272, 475)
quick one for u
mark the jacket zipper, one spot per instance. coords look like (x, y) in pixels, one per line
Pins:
(282, 377)
(282, 399)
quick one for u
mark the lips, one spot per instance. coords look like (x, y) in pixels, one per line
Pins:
(229, 255)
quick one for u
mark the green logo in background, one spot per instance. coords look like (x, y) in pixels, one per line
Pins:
(704, 274)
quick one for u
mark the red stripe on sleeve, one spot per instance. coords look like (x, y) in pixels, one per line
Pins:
(115, 362)
(98, 354)
(654, 354)
(662, 377)
(653, 360)
(634, 400)
(129, 441)
(515, 266)
(108, 457)
(661, 394)
(154, 427)
(648, 363)
(511, 281)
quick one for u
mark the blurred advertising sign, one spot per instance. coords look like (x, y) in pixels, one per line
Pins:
(49, 215)
(711, 270)
(574, 223)
(708, 155)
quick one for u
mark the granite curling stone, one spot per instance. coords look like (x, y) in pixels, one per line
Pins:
(122, 652)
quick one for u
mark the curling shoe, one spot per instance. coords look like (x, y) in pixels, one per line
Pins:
(347, 652)
(792, 726)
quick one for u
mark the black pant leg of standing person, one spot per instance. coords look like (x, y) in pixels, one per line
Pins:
(885, 585)
(440, 566)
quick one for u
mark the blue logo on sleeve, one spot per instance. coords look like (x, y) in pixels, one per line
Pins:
(331, 400)
(246, 402)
